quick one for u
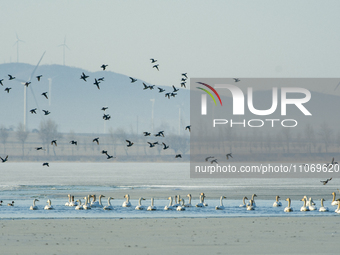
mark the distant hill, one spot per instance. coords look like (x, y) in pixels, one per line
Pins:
(75, 105)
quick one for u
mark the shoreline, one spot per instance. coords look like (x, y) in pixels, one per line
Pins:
(239, 235)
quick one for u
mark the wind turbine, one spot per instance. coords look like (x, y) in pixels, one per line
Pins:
(50, 89)
(17, 43)
(64, 45)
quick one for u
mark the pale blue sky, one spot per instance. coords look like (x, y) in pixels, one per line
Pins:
(203, 38)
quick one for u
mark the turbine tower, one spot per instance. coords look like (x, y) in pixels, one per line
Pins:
(153, 103)
(17, 43)
(64, 45)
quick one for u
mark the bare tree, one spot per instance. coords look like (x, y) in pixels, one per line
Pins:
(22, 136)
(286, 136)
(48, 131)
(3, 137)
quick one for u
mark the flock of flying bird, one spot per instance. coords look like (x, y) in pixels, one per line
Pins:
(97, 81)
(180, 205)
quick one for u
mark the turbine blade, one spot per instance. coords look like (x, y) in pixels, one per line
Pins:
(32, 74)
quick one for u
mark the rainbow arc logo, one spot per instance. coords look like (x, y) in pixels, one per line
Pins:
(209, 93)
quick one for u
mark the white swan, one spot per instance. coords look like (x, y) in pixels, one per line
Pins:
(169, 207)
(151, 207)
(288, 208)
(244, 202)
(72, 203)
(177, 204)
(189, 203)
(277, 203)
(87, 205)
(309, 202)
(203, 196)
(250, 206)
(221, 206)
(338, 209)
(181, 207)
(334, 202)
(127, 202)
(140, 206)
(108, 206)
(311, 207)
(304, 208)
(200, 204)
(69, 200)
(253, 198)
(34, 207)
(95, 203)
(49, 206)
(322, 208)
(79, 206)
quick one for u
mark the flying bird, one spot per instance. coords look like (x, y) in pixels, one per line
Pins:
(44, 94)
(167, 95)
(84, 76)
(207, 158)
(109, 157)
(27, 83)
(214, 161)
(151, 87)
(104, 67)
(175, 90)
(146, 133)
(188, 127)
(104, 108)
(33, 111)
(151, 144)
(160, 133)
(325, 182)
(165, 146)
(145, 86)
(185, 75)
(183, 79)
(106, 116)
(38, 77)
(96, 83)
(54, 142)
(46, 164)
(1, 82)
(46, 112)
(133, 80)
(153, 60)
(104, 152)
(229, 155)
(183, 85)
(236, 79)
(101, 79)
(39, 148)
(173, 94)
(96, 140)
(8, 89)
(178, 156)
(160, 90)
(129, 143)
(4, 160)
(74, 142)
(11, 77)
(156, 66)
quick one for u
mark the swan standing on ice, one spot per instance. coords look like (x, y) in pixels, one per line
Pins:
(288, 208)
(127, 202)
(309, 201)
(151, 207)
(334, 202)
(203, 196)
(311, 207)
(189, 203)
(169, 207)
(200, 204)
(49, 206)
(250, 206)
(140, 206)
(87, 205)
(277, 203)
(253, 198)
(79, 206)
(69, 200)
(221, 207)
(95, 203)
(34, 207)
(322, 208)
(108, 206)
(304, 208)
(244, 202)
